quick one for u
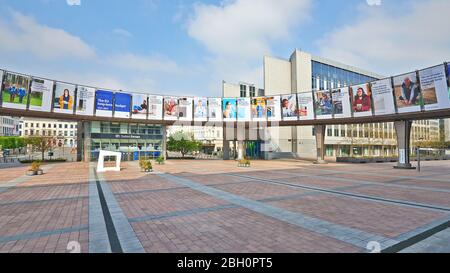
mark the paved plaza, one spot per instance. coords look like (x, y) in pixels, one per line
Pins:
(214, 206)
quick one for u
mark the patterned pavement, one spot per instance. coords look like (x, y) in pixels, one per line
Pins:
(214, 206)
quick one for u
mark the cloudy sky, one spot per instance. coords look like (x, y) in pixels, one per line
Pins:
(188, 47)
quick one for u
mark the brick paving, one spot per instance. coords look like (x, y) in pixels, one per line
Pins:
(214, 206)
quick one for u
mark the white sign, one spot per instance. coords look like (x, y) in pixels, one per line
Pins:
(185, 109)
(306, 106)
(200, 109)
(215, 109)
(85, 101)
(433, 84)
(382, 97)
(155, 107)
(273, 108)
(243, 109)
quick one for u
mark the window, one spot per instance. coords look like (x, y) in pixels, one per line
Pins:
(66, 126)
(60, 126)
(243, 91)
(252, 91)
(329, 132)
(336, 132)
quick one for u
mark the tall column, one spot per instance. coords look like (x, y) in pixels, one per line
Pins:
(403, 130)
(241, 151)
(226, 145)
(164, 144)
(320, 143)
(84, 141)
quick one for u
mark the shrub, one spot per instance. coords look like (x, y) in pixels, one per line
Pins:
(160, 159)
(145, 165)
(35, 166)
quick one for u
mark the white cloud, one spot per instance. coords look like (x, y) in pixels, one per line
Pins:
(24, 34)
(143, 63)
(245, 28)
(239, 33)
(393, 42)
(122, 32)
(73, 2)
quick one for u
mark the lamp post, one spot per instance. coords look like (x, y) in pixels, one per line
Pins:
(418, 154)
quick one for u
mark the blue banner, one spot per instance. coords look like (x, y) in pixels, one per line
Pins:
(104, 100)
(122, 103)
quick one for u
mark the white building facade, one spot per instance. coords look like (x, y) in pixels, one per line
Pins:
(9, 126)
(64, 132)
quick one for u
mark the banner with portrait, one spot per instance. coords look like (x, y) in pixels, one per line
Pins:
(200, 109)
(305, 106)
(139, 106)
(289, 109)
(229, 109)
(215, 109)
(383, 101)
(243, 109)
(341, 102)
(273, 108)
(64, 98)
(122, 104)
(170, 108)
(15, 91)
(361, 100)
(259, 109)
(41, 93)
(85, 100)
(323, 104)
(155, 107)
(104, 103)
(408, 97)
(433, 83)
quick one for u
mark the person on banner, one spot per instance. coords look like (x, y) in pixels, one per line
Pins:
(65, 100)
(170, 108)
(287, 109)
(12, 90)
(259, 110)
(200, 109)
(228, 112)
(22, 93)
(325, 104)
(139, 108)
(361, 102)
(410, 92)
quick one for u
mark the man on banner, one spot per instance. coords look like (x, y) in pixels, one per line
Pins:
(410, 92)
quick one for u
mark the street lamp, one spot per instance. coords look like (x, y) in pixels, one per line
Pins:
(418, 154)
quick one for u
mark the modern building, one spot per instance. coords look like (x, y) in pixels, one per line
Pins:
(9, 126)
(64, 132)
(304, 72)
(132, 139)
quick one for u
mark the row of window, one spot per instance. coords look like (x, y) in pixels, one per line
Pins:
(326, 77)
(49, 125)
(33, 132)
(125, 128)
(252, 91)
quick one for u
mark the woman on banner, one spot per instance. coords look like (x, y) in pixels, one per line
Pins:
(362, 102)
(65, 101)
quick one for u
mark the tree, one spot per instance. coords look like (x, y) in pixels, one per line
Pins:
(183, 143)
(41, 144)
(11, 142)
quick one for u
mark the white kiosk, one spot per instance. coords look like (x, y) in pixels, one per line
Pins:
(101, 161)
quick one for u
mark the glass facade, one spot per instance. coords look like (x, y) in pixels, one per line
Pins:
(133, 140)
(325, 76)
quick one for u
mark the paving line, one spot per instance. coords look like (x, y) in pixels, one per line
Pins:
(347, 235)
(22, 179)
(128, 240)
(98, 235)
(38, 234)
(30, 202)
(352, 195)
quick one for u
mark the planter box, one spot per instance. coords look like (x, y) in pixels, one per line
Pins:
(147, 171)
(244, 165)
(31, 173)
(40, 172)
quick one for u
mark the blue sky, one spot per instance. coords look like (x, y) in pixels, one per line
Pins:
(188, 47)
